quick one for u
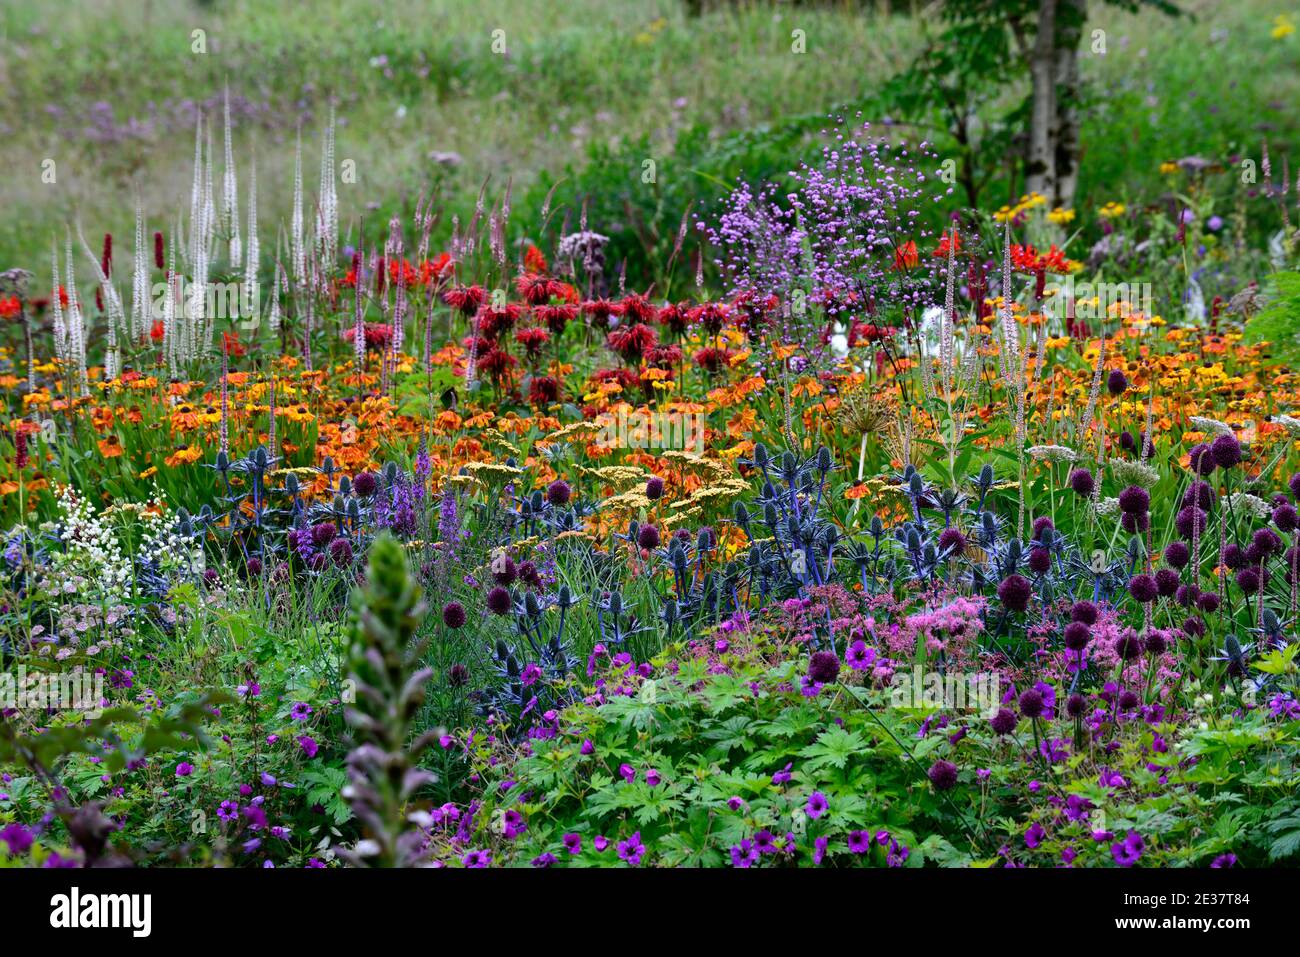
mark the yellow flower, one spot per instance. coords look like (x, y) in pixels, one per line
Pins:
(1113, 210)
(1168, 168)
(1061, 216)
(1283, 26)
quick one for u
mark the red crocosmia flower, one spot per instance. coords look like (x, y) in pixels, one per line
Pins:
(906, 256)
(465, 299)
(710, 315)
(9, 307)
(1029, 260)
(869, 332)
(157, 331)
(632, 342)
(601, 309)
(555, 318)
(951, 238)
(638, 308)
(543, 390)
(535, 289)
(435, 268)
(231, 344)
(533, 340)
(63, 297)
(404, 272)
(676, 316)
(712, 360)
(565, 292)
(534, 261)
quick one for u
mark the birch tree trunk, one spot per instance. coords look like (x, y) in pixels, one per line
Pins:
(1072, 17)
(1040, 165)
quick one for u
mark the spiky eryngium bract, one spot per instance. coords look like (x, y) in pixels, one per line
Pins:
(384, 663)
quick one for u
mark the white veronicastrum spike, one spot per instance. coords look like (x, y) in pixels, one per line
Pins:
(295, 222)
(56, 303)
(327, 216)
(946, 330)
(170, 331)
(1010, 331)
(112, 308)
(141, 310)
(254, 248)
(196, 191)
(230, 192)
(76, 326)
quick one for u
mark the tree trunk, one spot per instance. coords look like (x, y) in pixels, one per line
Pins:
(1073, 16)
(1040, 162)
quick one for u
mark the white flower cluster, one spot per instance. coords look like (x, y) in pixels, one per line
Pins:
(1129, 472)
(1201, 424)
(91, 548)
(1250, 504)
(172, 552)
(1052, 453)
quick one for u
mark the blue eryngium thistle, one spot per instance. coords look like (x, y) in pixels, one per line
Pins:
(384, 660)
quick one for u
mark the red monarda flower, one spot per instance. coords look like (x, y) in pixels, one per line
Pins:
(491, 322)
(543, 390)
(9, 307)
(712, 360)
(157, 331)
(601, 309)
(710, 315)
(676, 316)
(497, 363)
(632, 342)
(664, 356)
(637, 308)
(465, 299)
(556, 318)
(534, 288)
(533, 339)
(627, 378)
(378, 335)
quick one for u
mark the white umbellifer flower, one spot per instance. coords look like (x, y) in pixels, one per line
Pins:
(1108, 507)
(1291, 425)
(1134, 473)
(1052, 453)
(1209, 425)
(1250, 504)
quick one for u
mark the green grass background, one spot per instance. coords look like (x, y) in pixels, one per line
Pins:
(587, 91)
